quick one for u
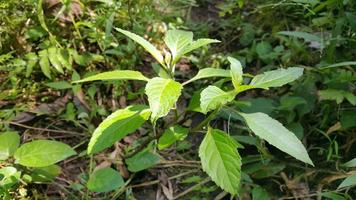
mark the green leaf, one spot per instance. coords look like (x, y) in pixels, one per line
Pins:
(303, 35)
(65, 59)
(9, 142)
(197, 44)
(162, 96)
(143, 160)
(44, 63)
(259, 193)
(209, 72)
(236, 72)
(45, 174)
(220, 160)
(276, 78)
(116, 126)
(349, 181)
(351, 163)
(10, 176)
(31, 62)
(59, 85)
(54, 59)
(115, 75)
(105, 180)
(42, 153)
(337, 95)
(213, 97)
(176, 40)
(171, 135)
(145, 44)
(333, 195)
(277, 135)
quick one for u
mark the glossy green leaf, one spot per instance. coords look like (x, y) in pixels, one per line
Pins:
(162, 95)
(141, 161)
(105, 180)
(348, 182)
(54, 59)
(277, 135)
(42, 153)
(115, 75)
(176, 40)
(236, 72)
(171, 135)
(145, 44)
(44, 63)
(9, 142)
(220, 160)
(276, 78)
(209, 72)
(213, 97)
(116, 126)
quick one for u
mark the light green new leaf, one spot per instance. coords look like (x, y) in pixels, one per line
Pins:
(220, 160)
(235, 71)
(213, 97)
(145, 44)
(171, 135)
(116, 126)
(351, 163)
(277, 135)
(276, 78)
(197, 44)
(42, 153)
(53, 56)
(115, 75)
(141, 161)
(209, 72)
(162, 95)
(176, 40)
(105, 180)
(9, 142)
(349, 181)
(44, 63)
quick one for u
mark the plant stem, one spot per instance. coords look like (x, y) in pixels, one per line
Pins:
(205, 121)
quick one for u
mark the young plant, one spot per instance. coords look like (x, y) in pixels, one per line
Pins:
(218, 151)
(32, 162)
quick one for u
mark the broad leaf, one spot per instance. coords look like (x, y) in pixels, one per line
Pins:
(209, 72)
(53, 56)
(44, 63)
(197, 44)
(171, 135)
(176, 40)
(277, 135)
(9, 176)
(349, 181)
(213, 97)
(105, 180)
(143, 160)
(116, 126)
(145, 44)
(220, 160)
(276, 78)
(236, 72)
(42, 153)
(116, 75)
(162, 95)
(9, 142)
